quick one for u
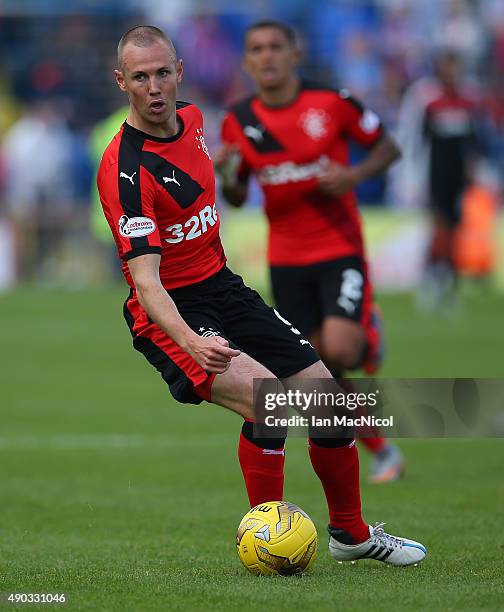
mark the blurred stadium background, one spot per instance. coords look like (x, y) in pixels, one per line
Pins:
(94, 457)
(59, 105)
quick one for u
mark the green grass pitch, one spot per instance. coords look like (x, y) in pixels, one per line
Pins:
(115, 495)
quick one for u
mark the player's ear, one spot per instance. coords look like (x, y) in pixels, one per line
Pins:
(120, 80)
(245, 66)
(179, 70)
(298, 54)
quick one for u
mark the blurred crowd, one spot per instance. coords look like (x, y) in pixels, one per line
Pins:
(57, 86)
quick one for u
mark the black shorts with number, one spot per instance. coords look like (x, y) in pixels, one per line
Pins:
(305, 295)
(221, 305)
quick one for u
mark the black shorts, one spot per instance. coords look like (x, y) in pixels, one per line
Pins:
(220, 305)
(307, 294)
(446, 202)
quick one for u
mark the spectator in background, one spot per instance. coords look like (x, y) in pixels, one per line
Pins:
(208, 50)
(462, 31)
(37, 153)
(9, 110)
(100, 136)
(361, 69)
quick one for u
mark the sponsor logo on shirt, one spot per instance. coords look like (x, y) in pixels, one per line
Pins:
(194, 227)
(136, 226)
(290, 172)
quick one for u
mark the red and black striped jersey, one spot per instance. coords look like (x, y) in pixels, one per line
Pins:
(288, 148)
(158, 195)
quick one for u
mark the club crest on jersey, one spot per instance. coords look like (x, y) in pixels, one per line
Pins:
(200, 139)
(314, 123)
(135, 227)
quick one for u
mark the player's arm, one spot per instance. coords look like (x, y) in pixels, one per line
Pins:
(341, 179)
(364, 127)
(230, 164)
(212, 354)
(379, 158)
(234, 184)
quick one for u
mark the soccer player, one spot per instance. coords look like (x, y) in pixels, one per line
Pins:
(206, 333)
(294, 136)
(449, 128)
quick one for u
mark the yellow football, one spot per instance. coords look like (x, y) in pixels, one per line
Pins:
(276, 538)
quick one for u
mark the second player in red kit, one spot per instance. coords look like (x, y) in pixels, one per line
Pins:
(294, 136)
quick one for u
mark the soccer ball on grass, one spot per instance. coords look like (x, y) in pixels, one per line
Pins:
(276, 538)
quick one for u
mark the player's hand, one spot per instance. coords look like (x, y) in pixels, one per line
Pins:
(213, 354)
(226, 162)
(223, 155)
(338, 180)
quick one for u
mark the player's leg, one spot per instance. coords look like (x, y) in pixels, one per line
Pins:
(300, 295)
(331, 304)
(262, 461)
(274, 341)
(261, 458)
(342, 343)
(388, 460)
(439, 283)
(269, 339)
(281, 348)
(336, 463)
(350, 338)
(343, 294)
(322, 301)
(374, 353)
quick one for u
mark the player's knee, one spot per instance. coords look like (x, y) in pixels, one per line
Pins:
(244, 403)
(342, 355)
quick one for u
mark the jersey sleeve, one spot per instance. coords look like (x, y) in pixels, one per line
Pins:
(230, 134)
(361, 124)
(127, 198)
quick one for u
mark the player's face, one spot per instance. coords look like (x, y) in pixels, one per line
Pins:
(449, 70)
(269, 57)
(150, 77)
